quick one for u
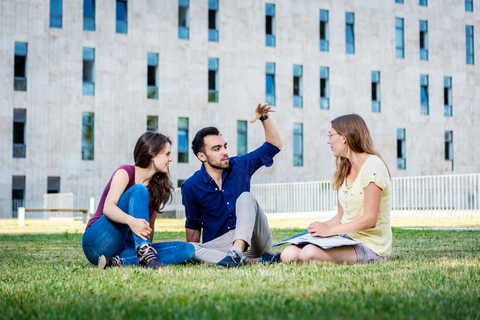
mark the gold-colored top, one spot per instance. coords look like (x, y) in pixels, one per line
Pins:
(378, 239)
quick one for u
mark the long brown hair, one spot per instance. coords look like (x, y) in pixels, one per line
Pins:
(356, 132)
(160, 187)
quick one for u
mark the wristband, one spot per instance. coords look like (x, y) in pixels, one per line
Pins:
(263, 118)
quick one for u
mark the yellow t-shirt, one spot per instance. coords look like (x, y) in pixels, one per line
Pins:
(378, 239)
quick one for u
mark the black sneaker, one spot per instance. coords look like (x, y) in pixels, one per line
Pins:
(104, 262)
(147, 258)
(270, 257)
(232, 260)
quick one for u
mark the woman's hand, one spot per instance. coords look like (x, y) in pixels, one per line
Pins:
(141, 228)
(319, 229)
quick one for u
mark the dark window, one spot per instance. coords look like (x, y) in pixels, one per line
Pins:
(424, 95)
(448, 150)
(447, 96)
(152, 76)
(324, 30)
(18, 194)
(88, 71)
(53, 185)
(19, 122)
(212, 80)
(423, 40)
(270, 25)
(324, 88)
(297, 86)
(20, 67)
(401, 149)
(213, 20)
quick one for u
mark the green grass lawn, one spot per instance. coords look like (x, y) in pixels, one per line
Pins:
(431, 274)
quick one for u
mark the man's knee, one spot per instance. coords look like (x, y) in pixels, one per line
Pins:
(245, 198)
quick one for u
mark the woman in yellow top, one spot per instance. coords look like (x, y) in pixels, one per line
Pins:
(362, 181)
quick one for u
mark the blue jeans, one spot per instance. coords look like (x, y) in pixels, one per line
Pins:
(109, 238)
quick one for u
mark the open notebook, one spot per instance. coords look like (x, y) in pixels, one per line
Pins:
(325, 243)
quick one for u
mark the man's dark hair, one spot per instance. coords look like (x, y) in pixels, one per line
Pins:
(198, 143)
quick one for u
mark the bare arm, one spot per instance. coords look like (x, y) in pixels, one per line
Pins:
(192, 235)
(138, 226)
(271, 133)
(373, 196)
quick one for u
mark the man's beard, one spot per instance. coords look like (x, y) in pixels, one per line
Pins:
(217, 165)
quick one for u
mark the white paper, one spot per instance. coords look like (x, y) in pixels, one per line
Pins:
(325, 243)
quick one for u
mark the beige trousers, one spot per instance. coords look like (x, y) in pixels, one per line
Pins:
(252, 227)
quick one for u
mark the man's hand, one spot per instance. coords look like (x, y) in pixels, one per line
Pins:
(141, 228)
(261, 110)
(319, 229)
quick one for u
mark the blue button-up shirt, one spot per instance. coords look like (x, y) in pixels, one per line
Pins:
(213, 209)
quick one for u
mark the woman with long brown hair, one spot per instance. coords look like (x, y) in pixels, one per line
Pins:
(362, 181)
(121, 231)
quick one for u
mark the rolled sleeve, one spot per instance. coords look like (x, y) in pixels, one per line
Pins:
(262, 156)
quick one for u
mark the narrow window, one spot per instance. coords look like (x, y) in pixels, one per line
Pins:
(88, 135)
(19, 127)
(399, 41)
(401, 150)
(183, 19)
(470, 47)
(324, 88)
(469, 5)
(423, 40)
(18, 194)
(350, 32)
(423, 3)
(212, 80)
(399, 1)
(298, 144)
(55, 13)
(323, 30)
(183, 140)
(152, 123)
(213, 20)
(270, 86)
(179, 183)
(448, 150)
(241, 137)
(89, 15)
(297, 86)
(447, 96)
(122, 15)
(88, 71)
(424, 95)
(53, 185)
(270, 25)
(152, 75)
(20, 67)
(375, 91)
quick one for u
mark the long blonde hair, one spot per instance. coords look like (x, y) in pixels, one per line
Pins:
(356, 132)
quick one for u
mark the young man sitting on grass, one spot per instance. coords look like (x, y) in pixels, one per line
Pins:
(217, 199)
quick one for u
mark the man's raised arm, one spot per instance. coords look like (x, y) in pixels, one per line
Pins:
(271, 133)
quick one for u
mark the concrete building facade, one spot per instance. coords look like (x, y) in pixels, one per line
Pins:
(54, 101)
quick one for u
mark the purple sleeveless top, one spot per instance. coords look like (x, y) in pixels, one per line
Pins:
(131, 182)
